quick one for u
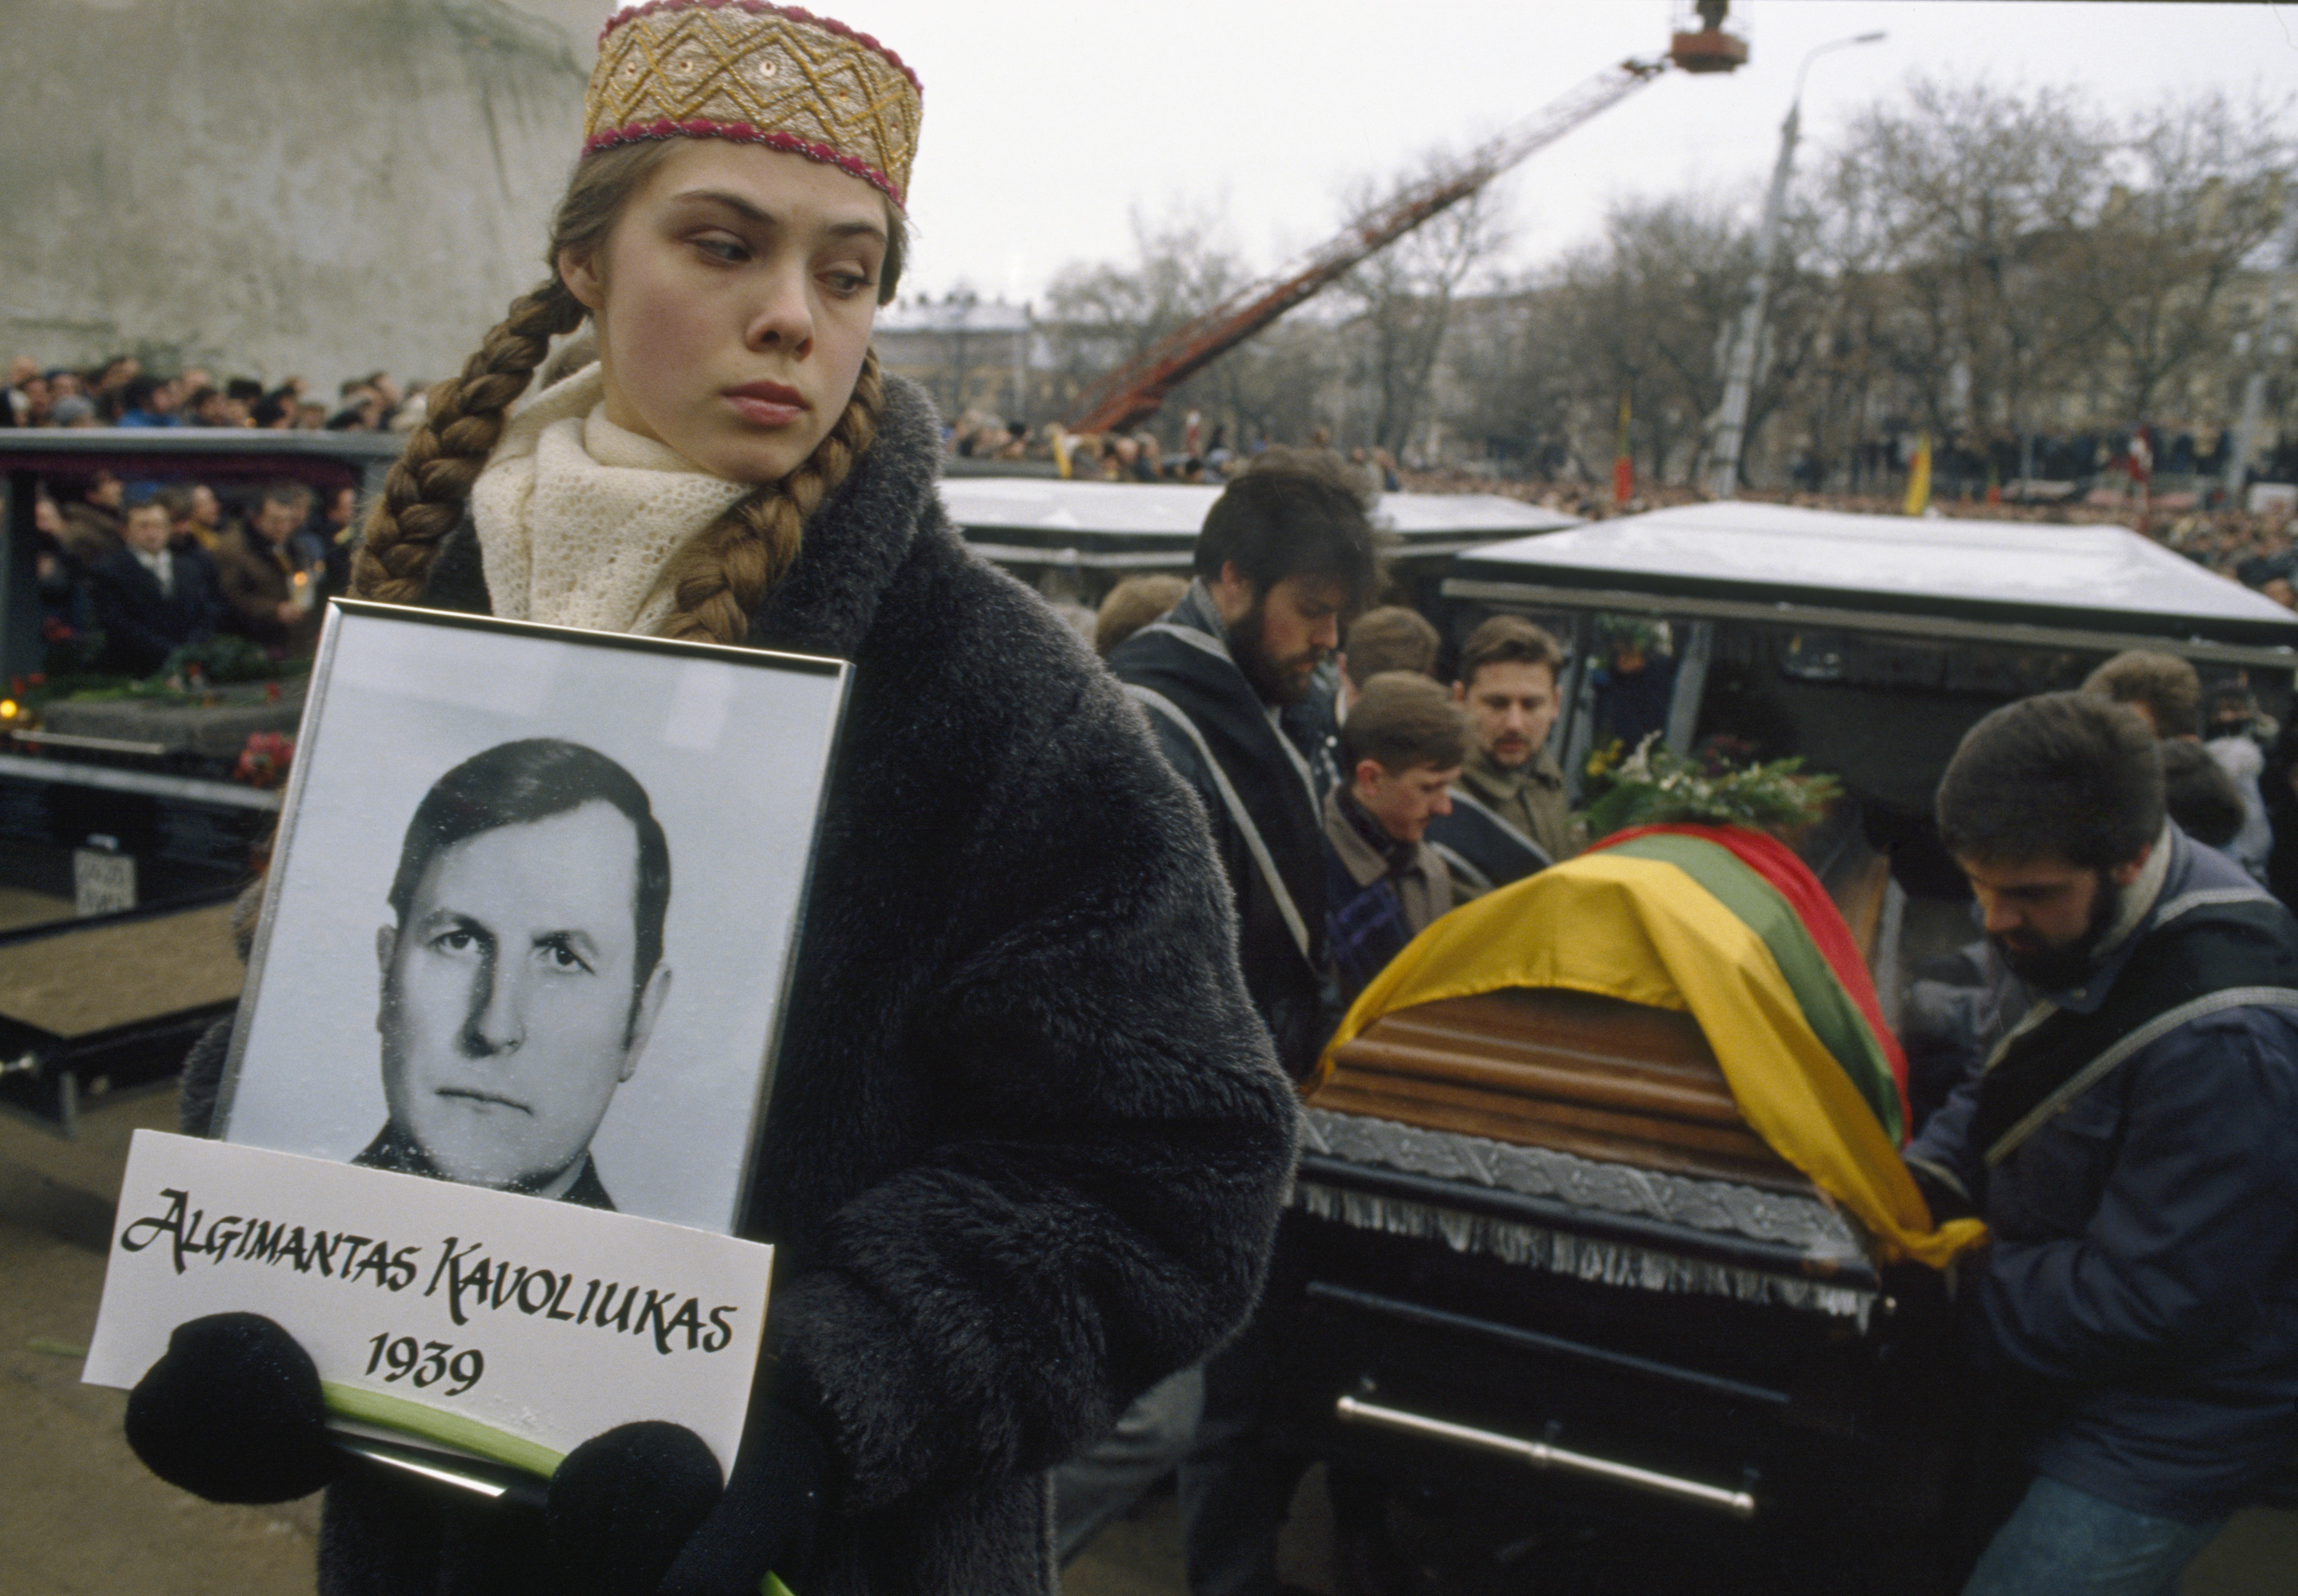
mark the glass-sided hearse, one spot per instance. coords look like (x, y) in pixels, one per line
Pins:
(1075, 540)
(1544, 1296)
(124, 835)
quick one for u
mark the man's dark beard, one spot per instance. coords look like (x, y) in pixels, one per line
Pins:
(1267, 678)
(2062, 969)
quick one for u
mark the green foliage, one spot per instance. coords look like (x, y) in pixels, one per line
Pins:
(190, 674)
(1654, 786)
(72, 653)
(224, 658)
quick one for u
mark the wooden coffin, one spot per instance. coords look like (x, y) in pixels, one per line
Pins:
(1584, 1074)
(1535, 1219)
(1591, 1076)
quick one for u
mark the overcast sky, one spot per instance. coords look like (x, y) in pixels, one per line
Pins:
(1047, 124)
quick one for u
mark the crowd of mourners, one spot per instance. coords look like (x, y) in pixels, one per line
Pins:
(2258, 548)
(1353, 797)
(130, 573)
(1285, 702)
(1204, 455)
(120, 392)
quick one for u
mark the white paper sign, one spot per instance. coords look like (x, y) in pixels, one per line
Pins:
(505, 1326)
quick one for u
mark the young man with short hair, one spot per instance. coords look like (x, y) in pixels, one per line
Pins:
(2166, 692)
(1511, 790)
(2133, 1147)
(1401, 748)
(1391, 638)
(2163, 689)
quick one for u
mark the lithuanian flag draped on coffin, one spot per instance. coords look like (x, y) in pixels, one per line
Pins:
(1726, 924)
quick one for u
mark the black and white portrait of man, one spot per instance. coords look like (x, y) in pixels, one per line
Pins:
(470, 963)
(522, 972)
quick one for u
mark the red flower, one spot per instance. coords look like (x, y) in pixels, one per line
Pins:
(265, 760)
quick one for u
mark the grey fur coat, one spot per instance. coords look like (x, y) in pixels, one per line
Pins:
(1028, 1141)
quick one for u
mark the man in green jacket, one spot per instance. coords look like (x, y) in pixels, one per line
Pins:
(1508, 684)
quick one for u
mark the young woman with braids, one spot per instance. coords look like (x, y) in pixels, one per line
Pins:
(1027, 1142)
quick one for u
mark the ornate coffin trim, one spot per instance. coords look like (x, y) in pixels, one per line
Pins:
(1825, 1237)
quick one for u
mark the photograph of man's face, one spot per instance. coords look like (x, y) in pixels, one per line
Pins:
(463, 968)
(522, 971)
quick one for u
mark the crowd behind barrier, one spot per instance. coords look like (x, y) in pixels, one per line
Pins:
(1205, 454)
(120, 392)
(133, 569)
(82, 521)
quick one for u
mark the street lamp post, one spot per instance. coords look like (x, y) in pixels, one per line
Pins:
(1739, 375)
(2270, 345)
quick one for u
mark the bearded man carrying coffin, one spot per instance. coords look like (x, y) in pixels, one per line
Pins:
(2133, 1147)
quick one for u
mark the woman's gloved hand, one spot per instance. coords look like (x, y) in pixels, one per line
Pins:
(642, 1498)
(766, 1521)
(232, 1412)
(623, 1504)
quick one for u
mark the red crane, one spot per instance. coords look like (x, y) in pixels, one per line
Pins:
(1132, 393)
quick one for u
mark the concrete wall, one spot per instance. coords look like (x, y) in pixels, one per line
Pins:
(319, 187)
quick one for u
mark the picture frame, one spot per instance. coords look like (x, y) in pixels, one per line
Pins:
(477, 960)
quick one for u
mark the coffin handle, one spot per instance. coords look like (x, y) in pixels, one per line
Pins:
(1544, 1454)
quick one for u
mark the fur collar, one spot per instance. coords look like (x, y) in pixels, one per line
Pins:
(860, 537)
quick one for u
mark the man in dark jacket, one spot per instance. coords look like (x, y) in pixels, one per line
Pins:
(152, 600)
(2133, 1145)
(259, 563)
(487, 1077)
(1286, 554)
(91, 517)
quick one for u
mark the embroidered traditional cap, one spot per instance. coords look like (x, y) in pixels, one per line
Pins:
(755, 73)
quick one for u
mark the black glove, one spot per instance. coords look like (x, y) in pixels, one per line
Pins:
(232, 1412)
(765, 1523)
(1943, 1200)
(644, 1498)
(623, 1504)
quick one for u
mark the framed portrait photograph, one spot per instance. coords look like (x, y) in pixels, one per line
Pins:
(535, 899)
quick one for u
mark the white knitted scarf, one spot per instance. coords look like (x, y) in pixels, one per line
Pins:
(577, 518)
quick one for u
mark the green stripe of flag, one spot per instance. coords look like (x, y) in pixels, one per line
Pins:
(1833, 1016)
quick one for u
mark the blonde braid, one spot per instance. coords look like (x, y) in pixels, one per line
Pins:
(723, 576)
(424, 495)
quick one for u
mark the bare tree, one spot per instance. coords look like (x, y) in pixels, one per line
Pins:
(1402, 299)
(1107, 312)
(1977, 194)
(1272, 386)
(2200, 188)
(1510, 382)
(1648, 308)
